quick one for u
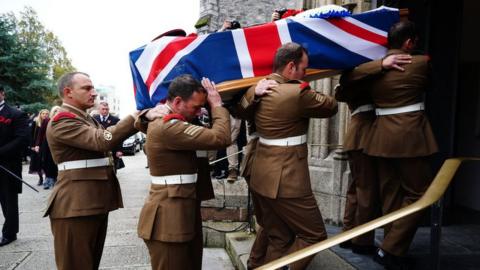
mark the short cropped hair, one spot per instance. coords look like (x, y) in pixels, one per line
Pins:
(66, 81)
(104, 103)
(183, 86)
(400, 32)
(287, 53)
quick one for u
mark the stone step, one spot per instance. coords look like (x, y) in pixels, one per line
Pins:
(214, 232)
(238, 247)
(228, 195)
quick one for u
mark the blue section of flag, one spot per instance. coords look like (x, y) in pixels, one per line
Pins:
(142, 98)
(382, 18)
(323, 53)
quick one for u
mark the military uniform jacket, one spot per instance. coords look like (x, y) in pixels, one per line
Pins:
(282, 171)
(168, 214)
(398, 135)
(74, 135)
(356, 95)
(14, 135)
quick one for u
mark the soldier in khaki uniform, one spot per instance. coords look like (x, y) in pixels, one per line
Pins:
(280, 177)
(260, 245)
(401, 137)
(362, 195)
(170, 218)
(87, 188)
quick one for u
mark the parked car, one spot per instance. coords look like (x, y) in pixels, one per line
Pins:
(132, 144)
(143, 139)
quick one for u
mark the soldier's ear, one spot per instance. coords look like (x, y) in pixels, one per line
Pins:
(66, 91)
(409, 44)
(176, 101)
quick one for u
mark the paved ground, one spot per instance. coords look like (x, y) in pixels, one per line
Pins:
(123, 249)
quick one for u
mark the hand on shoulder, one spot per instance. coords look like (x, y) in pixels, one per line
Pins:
(396, 61)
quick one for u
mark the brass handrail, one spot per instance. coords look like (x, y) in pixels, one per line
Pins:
(434, 193)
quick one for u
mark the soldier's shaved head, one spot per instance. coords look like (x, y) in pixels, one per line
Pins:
(289, 52)
(401, 32)
(66, 81)
(184, 86)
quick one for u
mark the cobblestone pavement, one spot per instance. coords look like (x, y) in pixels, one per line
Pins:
(123, 249)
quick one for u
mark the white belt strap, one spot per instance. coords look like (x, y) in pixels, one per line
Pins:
(409, 108)
(202, 153)
(363, 108)
(177, 179)
(290, 141)
(84, 163)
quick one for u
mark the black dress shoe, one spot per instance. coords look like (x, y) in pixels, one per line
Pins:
(6, 241)
(364, 250)
(346, 244)
(391, 262)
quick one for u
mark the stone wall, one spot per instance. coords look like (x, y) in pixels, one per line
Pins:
(247, 12)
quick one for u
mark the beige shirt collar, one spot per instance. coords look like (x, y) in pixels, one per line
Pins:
(277, 77)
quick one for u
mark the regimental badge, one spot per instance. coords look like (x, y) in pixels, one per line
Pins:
(107, 135)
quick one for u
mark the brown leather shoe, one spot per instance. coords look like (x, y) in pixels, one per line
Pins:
(232, 175)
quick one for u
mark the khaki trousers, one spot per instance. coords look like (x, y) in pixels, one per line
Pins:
(260, 245)
(362, 196)
(78, 241)
(291, 224)
(402, 182)
(235, 125)
(166, 255)
(184, 255)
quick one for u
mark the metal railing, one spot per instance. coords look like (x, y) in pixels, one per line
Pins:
(433, 194)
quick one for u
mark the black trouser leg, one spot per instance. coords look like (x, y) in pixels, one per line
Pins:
(9, 202)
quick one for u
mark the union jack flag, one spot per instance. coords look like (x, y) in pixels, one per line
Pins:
(334, 43)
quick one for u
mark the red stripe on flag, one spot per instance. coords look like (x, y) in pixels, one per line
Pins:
(164, 57)
(262, 42)
(359, 31)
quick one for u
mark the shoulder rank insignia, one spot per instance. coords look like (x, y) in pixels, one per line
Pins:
(193, 130)
(107, 135)
(304, 86)
(173, 116)
(62, 115)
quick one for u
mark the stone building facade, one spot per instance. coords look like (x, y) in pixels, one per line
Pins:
(329, 171)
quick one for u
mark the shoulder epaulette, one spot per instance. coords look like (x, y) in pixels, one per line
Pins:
(172, 116)
(62, 115)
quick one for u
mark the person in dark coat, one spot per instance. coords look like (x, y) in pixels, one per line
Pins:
(13, 140)
(37, 138)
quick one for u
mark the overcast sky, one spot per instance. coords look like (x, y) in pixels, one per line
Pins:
(99, 34)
